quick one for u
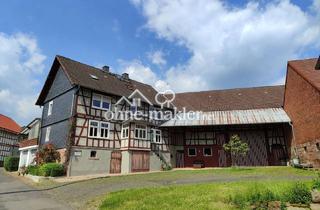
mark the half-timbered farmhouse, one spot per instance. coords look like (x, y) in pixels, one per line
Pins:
(77, 100)
(9, 137)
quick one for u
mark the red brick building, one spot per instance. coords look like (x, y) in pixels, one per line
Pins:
(302, 104)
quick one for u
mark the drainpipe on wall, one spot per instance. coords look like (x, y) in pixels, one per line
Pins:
(69, 144)
(293, 140)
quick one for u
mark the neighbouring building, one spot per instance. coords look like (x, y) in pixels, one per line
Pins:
(302, 104)
(28, 146)
(76, 98)
(9, 137)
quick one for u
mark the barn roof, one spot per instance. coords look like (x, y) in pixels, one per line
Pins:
(231, 117)
(231, 99)
(9, 124)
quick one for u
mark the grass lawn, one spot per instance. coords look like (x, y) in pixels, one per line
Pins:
(203, 196)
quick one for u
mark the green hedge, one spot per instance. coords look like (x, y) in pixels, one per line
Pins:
(33, 170)
(47, 169)
(11, 163)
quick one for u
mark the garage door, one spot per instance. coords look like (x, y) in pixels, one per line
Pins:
(140, 161)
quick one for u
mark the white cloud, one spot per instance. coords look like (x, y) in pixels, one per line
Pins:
(21, 63)
(157, 57)
(232, 47)
(142, 73)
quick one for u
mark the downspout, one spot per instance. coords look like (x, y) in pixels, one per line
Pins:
(68, 162)
(293, 140)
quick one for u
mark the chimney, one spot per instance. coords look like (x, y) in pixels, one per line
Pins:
(125, 76)
(106, 69)
(317, 67)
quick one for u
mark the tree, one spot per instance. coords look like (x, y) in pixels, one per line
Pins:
(47, 154)
(236, 148)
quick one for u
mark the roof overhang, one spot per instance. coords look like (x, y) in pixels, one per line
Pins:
(232, 117)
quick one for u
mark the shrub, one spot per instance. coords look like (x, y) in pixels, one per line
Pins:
(299, 194)
(11, 163)
(47, 154)
(316, 183)
(51, 169)
(33, 170)
(254, 196)
(166, 167)
(239, 201)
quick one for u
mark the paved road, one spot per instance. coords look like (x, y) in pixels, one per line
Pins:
(16, 195)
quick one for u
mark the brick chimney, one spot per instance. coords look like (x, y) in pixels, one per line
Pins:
(125, 76)
(317, 67)
(106, 69)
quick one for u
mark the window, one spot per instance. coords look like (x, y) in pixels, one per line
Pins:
(100, 102)
(93, 154)
(94, 77)
(140, 132)
(156, 136)
(136, 102)
(305, 149)
(207, 151)
(48, 130)
(104, 129)
(192, 152)
(318, 146)
(50, 108)
(93, 128)
(125, 131)
(98, 129)
(133, 109)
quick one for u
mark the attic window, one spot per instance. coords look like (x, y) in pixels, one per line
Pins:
(94, 77)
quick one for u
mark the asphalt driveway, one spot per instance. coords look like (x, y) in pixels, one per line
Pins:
(16, 195)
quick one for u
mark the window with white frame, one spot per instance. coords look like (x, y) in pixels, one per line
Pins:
(98, 129)
(192, 152)
(100, 102)
(104, 129)
(50, 108)
(207, 151)
(140, 132)
(156, 136)
(125, 131)
(48, 130)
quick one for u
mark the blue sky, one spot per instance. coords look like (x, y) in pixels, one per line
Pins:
(185, 46)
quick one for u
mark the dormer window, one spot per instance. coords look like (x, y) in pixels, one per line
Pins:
(100, 102)
(136, 102)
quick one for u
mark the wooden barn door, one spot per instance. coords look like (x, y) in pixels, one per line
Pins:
(278, 154)
(140, 161)
(115, 162)
(180, 159)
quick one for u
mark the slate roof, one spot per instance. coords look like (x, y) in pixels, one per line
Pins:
(80, 74)
(306, 69)
(9, 124)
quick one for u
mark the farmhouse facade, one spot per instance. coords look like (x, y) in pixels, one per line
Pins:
(77, 100)
(9, 137)
(28, 146)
